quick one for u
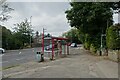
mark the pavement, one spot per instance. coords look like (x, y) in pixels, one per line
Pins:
(79, 64)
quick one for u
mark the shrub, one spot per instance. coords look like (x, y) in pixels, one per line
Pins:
(86, 45)
(87, 42)
(113, 37)
(93, 48)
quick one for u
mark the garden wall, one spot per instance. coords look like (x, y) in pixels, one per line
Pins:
(114, 55)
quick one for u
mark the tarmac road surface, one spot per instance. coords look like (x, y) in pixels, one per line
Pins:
(17, 57)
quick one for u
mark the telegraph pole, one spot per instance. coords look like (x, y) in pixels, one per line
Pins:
(30, 27)
(43, 41)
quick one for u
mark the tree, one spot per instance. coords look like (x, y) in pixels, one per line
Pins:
(113, 37)
(13, 40)
(91, 19)
(4, 12)
(23, 32)
(16, 40)
(6, 37)
(72, 35)
(47, 35)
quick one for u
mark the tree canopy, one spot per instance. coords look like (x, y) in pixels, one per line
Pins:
(113, 37)
(19, 38)
(4, 11)
(91, 19)
(24, 31)
(72, 35)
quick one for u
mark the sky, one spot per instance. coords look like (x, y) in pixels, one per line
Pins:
(48, 15)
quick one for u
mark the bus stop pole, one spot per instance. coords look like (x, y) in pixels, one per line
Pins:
(43, 42)
(68, 49)
(52, 49)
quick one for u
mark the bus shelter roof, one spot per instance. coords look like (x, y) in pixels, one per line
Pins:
(57, 38)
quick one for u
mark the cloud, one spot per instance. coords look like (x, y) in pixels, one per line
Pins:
(48, 15)
(115, 18)
(38, 0)
(54, 25)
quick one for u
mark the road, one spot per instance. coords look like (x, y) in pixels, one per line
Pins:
(17, 57)
(13, 58)
(79, 64)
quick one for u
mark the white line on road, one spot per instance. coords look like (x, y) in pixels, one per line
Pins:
(19, 52)
(20, 59)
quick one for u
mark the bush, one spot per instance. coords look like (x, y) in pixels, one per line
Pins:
(93, 48)
(87, 45)
(113, 37)
(87, 42)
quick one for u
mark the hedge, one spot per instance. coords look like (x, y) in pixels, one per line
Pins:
(113, 37)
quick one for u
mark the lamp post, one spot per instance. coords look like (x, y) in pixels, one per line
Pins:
(102, 42)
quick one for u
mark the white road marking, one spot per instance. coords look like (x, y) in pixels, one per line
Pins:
(19, 52)
(20, 59)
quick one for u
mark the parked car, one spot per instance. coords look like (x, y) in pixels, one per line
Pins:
(48, 47)
(69, 44)
(2, 50)
(73, 45)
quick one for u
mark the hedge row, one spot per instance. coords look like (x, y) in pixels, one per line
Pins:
(113, 37)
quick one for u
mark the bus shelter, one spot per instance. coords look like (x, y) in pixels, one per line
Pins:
(58, 44)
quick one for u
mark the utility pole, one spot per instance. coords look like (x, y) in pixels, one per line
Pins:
(101, 46)
(43, 41)
(30, 27)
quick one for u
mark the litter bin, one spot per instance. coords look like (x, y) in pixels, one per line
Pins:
(39, 56)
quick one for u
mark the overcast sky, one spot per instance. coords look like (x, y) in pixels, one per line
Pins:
(49, 15)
